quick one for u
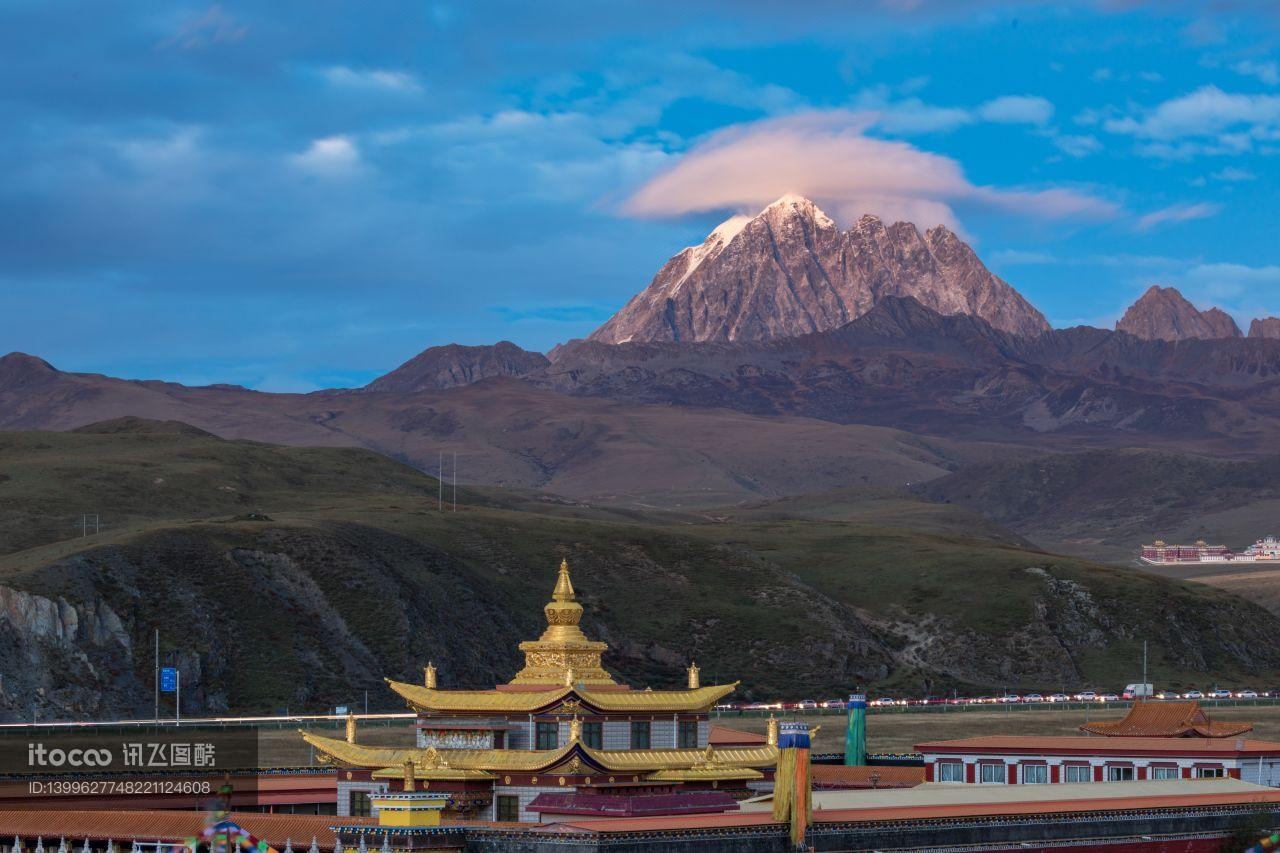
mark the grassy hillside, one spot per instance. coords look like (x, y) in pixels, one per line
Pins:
(1104, 504)
(356, 576)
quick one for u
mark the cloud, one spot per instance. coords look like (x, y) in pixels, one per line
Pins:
(371, 78)
(1268, 72)
(332, 155)
(1077, 145)
(213, 26)
(1206, 112)
(1232, 174)
(1017, 109)
(1177, 213)
(829, 157)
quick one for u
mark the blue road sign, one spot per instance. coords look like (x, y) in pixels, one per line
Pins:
(169, 679)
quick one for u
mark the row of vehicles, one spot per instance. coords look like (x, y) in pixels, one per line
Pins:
(1132, 691)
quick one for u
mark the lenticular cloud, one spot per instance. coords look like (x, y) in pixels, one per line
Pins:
(830, 158)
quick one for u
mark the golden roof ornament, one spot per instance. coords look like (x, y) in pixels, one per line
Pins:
(695, 680)
(351, 728)
(429, 675)
(575, 729)
(771, 731)
(409, 781)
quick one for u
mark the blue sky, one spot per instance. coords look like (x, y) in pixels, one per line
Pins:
(302, 195)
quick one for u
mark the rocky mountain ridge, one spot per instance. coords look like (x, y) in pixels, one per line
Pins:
(790, 271)
(1164, 314)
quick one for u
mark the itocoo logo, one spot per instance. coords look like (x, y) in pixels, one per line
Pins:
(40, 756)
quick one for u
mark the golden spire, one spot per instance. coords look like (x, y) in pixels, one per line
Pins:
(351, 728)
(771, 731)
(564, 586)
(563, 655)
(429, 675)
(409, 781)
(695, 680)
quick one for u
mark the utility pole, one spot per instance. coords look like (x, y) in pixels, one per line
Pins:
(455, 481)
(1144, 670)
(157, 675)
(440, 483)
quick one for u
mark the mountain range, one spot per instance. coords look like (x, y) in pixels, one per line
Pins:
(874, 389)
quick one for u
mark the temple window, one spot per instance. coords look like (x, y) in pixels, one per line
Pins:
(950, 771)
(1077, 773)
(359, 803)
(1035, 774)
(1164, 773)
(688, 734)
(992, 773)
(548, 736)
(1119, 774)
(508, 810)
(593, 735)
(1209, 773)
(641, 735)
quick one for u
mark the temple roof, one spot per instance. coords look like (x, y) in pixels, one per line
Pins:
(427, 699)
(1166, 719)
(389, 762)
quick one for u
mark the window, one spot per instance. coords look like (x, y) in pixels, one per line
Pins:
(688, 734)
(592, 735)
(1077, 773)
(548, 735)
(1119, 774)
(640, 735)
(1164, 773)
(950, 771)
(1209, 773)
(992, 773)
(359, 804)
(508, 809)
(1035, 774)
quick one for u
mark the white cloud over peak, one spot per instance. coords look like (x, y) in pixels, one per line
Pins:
(1268, 72)
(829, 157)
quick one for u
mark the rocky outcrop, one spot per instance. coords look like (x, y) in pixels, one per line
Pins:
(1266, 327)
(1164, 314)
(791, 271)
(455, 365)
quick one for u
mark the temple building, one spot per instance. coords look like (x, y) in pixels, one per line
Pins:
(562, 738)
(1166, 719)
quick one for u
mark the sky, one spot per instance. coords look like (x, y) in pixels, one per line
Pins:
(300, 195)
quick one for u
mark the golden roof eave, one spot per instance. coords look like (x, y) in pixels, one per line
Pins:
(427, 699)
(435, 774)
(703, 774)
(536, 760)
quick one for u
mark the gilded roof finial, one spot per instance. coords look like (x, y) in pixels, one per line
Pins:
(351, 728)
(564, 586)
(771, 731)
(409, 780)
(695, 680)
(429, 675)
